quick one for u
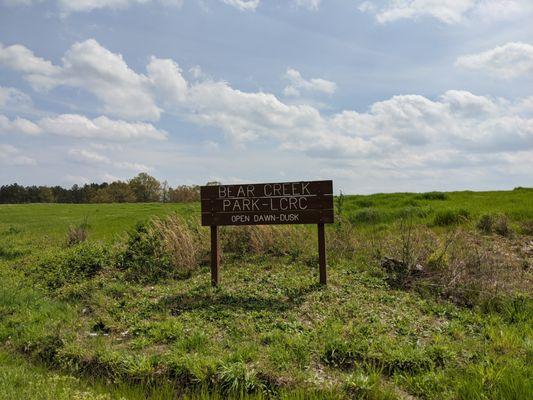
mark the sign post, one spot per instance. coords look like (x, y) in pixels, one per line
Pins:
(215, 257)
(305, 202)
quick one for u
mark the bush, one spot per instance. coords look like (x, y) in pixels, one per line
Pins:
(502, 227)
(485, 223)
(160, 248)
(77, 234)
(495, 223)
(472, 270)
(72, 265)
(364, 203)
(451, 217)
(365, 216)
(265, 240)
(526, 227)
(432, 196)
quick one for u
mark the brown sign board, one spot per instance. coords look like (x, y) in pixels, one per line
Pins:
(306, 202)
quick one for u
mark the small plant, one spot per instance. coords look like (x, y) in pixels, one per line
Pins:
(485, 223)
(74, 264)
(364, 203)
(340, 204)
(365, 216)
(238, 378)
(160, 248)
(432, 196)
(77, 234)
(451, 217)
(502, 227)
(495, 223)
(526, 227)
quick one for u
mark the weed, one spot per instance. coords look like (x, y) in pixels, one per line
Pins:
(365, 216)
(159, 249)
(432, 196)
(451, 217)
(526, 227)
(77, 234)
(74, 264)
(238, 377)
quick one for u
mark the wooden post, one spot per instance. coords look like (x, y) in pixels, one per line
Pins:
(214, 256)
(322, 254)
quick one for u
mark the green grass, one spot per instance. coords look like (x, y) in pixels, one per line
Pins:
(386, 208)
(268, 330)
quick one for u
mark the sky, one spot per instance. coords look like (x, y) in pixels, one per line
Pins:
(380, 96)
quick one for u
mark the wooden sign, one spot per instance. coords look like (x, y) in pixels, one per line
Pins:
(266, 204)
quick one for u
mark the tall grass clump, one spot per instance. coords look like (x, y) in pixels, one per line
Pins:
(432, 196)
(451, 217)
(471, 270)
(161, 248)
(71, 265)
(406, 252)
(489, 223)
(77, 234)
(266, 240)
(365, 216)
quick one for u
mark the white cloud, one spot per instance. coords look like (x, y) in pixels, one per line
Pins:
(70, 6)
(312, 5)
(107, 177)
(405, 125)
(124, 93)
(79, 126)
(243, 5)
(90, 157)
(86, 156)
(299, 84)
(19, 2)
(89, 66)
(18, 125)
(508, 61)
(168, 83)
(14, 99)
(10, 155)
(137, 167)
(89, 5)
(20, 58)
(448, 12)
(77, 179)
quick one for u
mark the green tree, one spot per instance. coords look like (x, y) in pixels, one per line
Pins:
(145, 187)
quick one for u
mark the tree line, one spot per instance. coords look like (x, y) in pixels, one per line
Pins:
(142, 188)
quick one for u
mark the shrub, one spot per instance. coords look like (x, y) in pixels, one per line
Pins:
(526, 227)
(10, 252)
(238, 378)
(160, 248)
(485, 223)
(364, 203)
(473, 270)
(432, 196)
(74, 264)
(451, 217)
(495, 223)
(502, 227)
(77, 234)
(407, 252)
(365, 216)
(266, 240)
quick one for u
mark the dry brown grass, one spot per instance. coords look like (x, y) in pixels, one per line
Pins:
(77, 234)
(183, 245)
(471, 269)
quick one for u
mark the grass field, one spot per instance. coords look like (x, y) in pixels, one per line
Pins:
(88, 322)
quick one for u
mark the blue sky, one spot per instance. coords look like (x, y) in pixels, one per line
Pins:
(380, 96)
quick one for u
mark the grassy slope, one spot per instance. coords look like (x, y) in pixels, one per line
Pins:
(269, 324)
